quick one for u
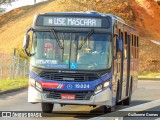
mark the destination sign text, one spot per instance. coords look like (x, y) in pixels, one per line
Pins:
(72, 21)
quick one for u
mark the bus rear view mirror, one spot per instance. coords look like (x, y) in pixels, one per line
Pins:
(119, 45)
(26, 41)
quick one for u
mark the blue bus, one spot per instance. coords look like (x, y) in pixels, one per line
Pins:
(81, 58)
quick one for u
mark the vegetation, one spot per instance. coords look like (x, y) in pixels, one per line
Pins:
(21, 53)
(6, 1)
(149, 75)
(12, 84)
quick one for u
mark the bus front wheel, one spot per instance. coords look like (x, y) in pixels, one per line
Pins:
(47, 107)
(127, 101)
(108, 109)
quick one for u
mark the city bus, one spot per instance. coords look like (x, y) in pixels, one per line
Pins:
(81, 58)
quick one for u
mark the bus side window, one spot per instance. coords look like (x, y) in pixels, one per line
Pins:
(125, 46)
(137, 47)
(115, 48)
(131, 44)
(135, 53)
(116, 67)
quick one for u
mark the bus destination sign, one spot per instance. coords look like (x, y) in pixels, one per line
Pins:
(72, 22)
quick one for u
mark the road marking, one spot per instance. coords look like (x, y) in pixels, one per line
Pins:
(155, 42)
(141, 107)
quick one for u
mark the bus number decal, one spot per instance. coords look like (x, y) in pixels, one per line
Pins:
(82, 86)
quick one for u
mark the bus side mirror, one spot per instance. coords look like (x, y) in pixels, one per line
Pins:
(119, 45)
(26, 41)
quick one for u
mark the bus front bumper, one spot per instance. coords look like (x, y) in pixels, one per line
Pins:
(102, 98)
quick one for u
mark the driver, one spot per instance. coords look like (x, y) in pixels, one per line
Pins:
(99, 48)
(48, 47)
(99, 53)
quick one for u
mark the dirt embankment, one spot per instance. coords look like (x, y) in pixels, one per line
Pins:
(142, 14)
(147, 14)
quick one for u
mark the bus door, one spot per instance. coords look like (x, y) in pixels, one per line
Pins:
(119, 69)
(121, 83)
(126, 65)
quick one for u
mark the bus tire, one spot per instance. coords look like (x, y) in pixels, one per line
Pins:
(127, 101)
(47, 107)
(117, 95)
(108, 109)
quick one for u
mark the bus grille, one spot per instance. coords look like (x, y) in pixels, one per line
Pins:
(79, 95)
(71, 77)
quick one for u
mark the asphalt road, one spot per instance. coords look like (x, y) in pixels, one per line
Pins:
(17, 101)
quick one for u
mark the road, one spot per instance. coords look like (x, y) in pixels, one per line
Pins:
(17, 101)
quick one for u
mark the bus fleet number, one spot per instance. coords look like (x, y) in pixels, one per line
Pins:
(82, 86)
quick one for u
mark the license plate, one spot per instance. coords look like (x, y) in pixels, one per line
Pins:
(67, 97)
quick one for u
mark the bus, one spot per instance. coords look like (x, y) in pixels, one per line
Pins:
(81, 58)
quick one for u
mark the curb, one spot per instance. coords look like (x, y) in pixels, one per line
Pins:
(12, 90)
(149, 79)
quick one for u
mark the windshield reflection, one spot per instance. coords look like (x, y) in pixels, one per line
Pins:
(95, 52)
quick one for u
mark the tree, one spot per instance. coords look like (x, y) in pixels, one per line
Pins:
(2, 10)
(6, 1)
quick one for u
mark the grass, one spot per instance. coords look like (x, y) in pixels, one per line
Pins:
(149, 75)
(11, 84)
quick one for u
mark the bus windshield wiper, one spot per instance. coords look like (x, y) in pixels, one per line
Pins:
(56, 37)
(87, 36)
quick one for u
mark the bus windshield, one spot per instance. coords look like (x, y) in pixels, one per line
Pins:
(72, 51)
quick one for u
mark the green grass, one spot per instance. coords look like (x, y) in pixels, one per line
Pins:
(149, 75)
(11, 84)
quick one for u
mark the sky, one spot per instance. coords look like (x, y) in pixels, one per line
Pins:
(19, 3)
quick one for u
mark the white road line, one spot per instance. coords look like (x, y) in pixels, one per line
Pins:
(141, 107)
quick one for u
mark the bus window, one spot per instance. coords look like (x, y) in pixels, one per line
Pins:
(125, 38)
(132, 40)
(125, 46)
(95, 53)
(137, 41)
(131, 51)
(119, 33)
(34, 43)
(114, 45)
(137, 47)
(135, 53)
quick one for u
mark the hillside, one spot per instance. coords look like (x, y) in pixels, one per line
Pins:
(142, 14)
(147, 14)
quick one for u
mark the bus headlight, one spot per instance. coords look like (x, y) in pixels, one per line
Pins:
(98, 89)
(106, 84)
(32, 81)
(101, 87)
(36, 84)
